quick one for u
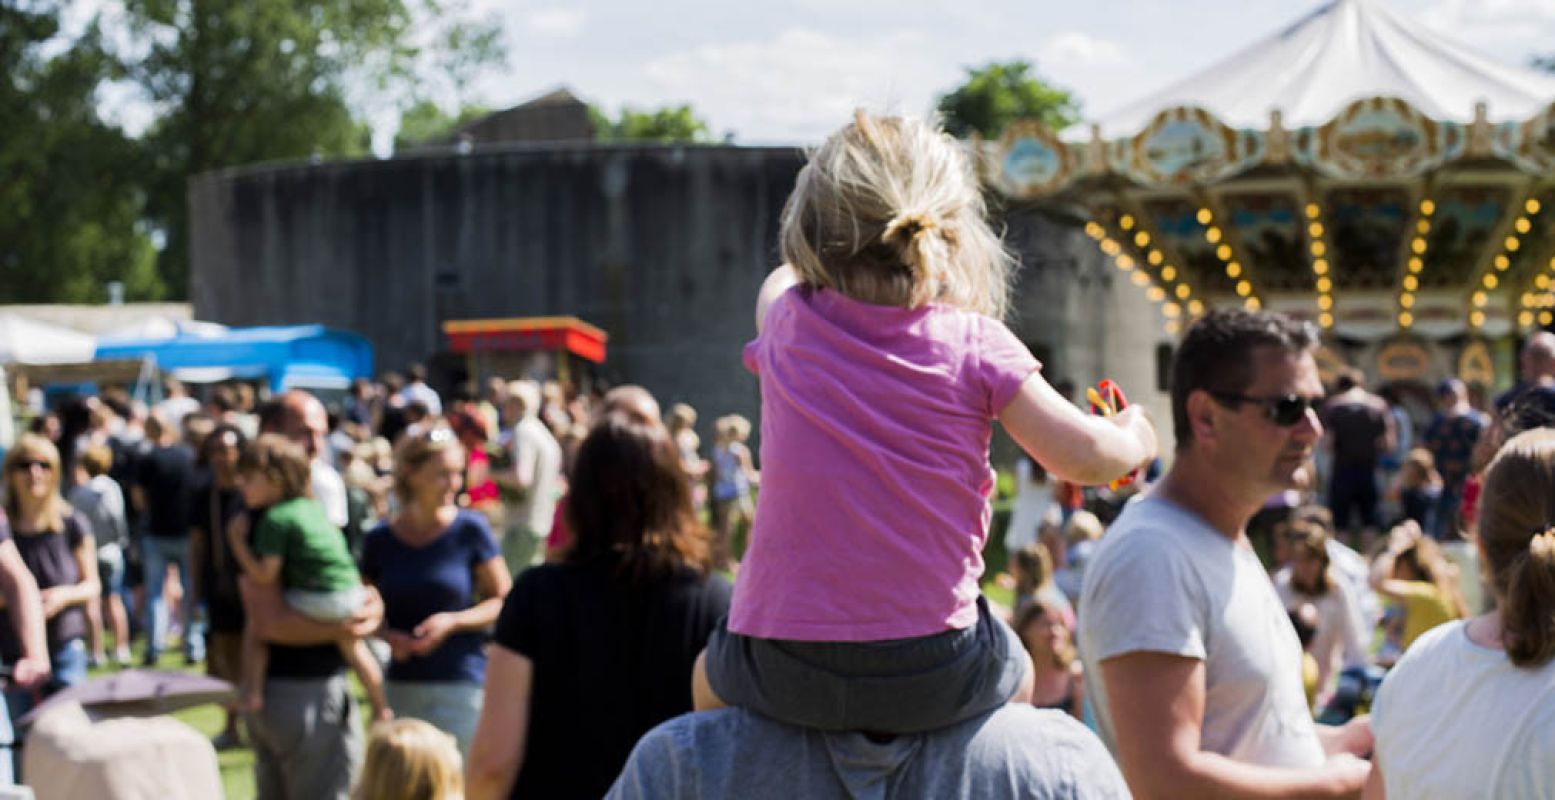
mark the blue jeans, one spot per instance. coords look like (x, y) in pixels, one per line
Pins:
(157, 552)
(69, 663)
(1444, 525)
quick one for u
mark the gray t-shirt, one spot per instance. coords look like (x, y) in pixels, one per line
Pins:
(1164, 581)
(1015, 751)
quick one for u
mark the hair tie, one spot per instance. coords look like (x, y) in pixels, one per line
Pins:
(906, 227)
(1543, 541)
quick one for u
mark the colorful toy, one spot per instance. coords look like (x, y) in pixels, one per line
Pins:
(1107, 399)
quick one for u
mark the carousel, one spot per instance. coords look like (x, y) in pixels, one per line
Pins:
(1354, 169)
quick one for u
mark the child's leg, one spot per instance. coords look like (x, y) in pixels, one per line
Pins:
(703, 698)
(361, 659)
(256, 659)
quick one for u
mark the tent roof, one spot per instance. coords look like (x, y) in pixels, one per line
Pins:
(28, 341)
(1344, 51)
(290, 355)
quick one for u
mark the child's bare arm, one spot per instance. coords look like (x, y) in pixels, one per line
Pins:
(263, 570)
(1072, 444)
(779, 281)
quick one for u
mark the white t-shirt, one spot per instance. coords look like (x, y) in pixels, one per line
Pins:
(330, 490)
(538, 458)
(1454, 719)
(1339, 641)
(1164, 581)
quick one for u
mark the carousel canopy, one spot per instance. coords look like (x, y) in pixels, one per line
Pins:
(1345, 51)
(1353, 168)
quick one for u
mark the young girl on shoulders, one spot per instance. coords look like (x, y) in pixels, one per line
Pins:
(883, 364)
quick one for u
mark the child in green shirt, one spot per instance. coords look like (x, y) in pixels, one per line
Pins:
(296, 545)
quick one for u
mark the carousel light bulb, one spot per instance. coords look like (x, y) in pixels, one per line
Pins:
(1212, 234)
(1416, 264)
(1325, 285)
(1168, 273)
(1325, 319)
(1523, 225)
(1205, 216)
(1512, 244)
(1110, 247)
(1418, 246)
(1244, 288)
(1502, 262)
(1477, 319)
(1196, 307)
(1427, 208)
(1126, 222)
(1479, 299)
(1405, 319)
(1325, 302)
(1223, 252)
(1532, 206)
(1313, 212)
(1183, 291)
(1525, 318)
(1406, 300)
(1252, 304)
(1411, 283)
(1094, 231)
(1319, 249)
(1527, 299)
(1171, 327)
(1315, 229)
(1171, 310)
(1423, 226)
(1546, 317)
(1490, 280)
(1156, 294)
(1233, 269)
(1320, 266)
(1140, 279)
(1542, 281)
(1142, 239)
(1125, 262)
(1155, 257)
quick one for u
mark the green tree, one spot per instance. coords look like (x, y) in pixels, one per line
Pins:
(425, 122)
(999, 93)
(667, 124)
(262, 80)
(70, 205)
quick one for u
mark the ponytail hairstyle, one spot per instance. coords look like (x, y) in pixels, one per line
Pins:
(1517, 536)
(890, 211)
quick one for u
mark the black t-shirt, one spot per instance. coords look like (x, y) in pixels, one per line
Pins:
(610, 662)
(213, 511)
(167, 475)
(1528, 406)
(51, 558)
(1357, 431)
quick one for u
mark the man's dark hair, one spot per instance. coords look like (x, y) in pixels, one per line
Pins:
(417, 373)
(1216, 355)
(1349, 378)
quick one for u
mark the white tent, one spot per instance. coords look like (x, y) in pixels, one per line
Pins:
(165, 327)
(28, 341)
(1344, 51)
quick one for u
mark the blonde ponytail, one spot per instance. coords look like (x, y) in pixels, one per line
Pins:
(1528, 614)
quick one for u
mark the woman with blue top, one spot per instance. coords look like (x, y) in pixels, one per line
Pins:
(442, 579)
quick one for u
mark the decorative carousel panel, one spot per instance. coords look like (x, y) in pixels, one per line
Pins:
(1466, 218)
(1364, 315)
(1367, 227)
(1031, 161)
(1186, 146)
(1531, 144)
(1379, 137)
(1182, 240)
(1440, 314)
(1271, 237)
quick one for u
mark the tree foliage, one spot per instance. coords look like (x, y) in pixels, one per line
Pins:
(667, 124)
(425, 122)
(999, 93)
(70, 205)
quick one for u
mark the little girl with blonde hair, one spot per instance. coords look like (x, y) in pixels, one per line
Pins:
(883, 364)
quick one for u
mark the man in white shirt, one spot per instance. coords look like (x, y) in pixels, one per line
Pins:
(418, 390)
(532, 482)
(1193, 667)
(304, 421)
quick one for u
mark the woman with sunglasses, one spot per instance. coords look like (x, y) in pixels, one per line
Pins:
(442, 579)
(57, 545)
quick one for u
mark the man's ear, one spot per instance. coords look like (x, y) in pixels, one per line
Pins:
(1201, 415)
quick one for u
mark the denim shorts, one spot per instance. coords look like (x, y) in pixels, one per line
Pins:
(897, 686)
(110, 568)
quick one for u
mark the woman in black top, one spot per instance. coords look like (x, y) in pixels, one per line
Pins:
(58, 548)
(592, 652)
(218, 505)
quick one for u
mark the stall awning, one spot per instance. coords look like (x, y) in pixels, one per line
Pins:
(307, 356)
(520, 334)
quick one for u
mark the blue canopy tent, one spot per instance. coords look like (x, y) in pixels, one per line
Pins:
(286, 356)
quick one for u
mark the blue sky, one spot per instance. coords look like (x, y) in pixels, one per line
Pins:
(788, 71)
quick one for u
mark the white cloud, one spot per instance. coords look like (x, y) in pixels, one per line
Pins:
(1074, 48)
(560, 23)
(1496, 27)
(800, 84)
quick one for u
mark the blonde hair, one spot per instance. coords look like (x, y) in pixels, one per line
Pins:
(408, 759)
(416, 451)
(32, 447)
(283, 461)
(1311, 538)
(1517, 533)
(1083, 526)
(733, 428)
(890, 211)
(1064, 654)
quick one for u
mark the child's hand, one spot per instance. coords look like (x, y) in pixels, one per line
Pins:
(1136, 421)
(431, 633)
(400, 644)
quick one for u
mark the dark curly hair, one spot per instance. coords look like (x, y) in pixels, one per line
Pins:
(1216, 355)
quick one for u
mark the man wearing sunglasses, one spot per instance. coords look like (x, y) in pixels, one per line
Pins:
(1197, 685)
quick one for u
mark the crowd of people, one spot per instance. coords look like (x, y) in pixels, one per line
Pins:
(1327, 593)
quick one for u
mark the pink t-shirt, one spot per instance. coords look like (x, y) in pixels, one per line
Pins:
(873, 510)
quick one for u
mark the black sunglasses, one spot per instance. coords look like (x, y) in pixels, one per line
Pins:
(1283, 411)
(26, 466)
